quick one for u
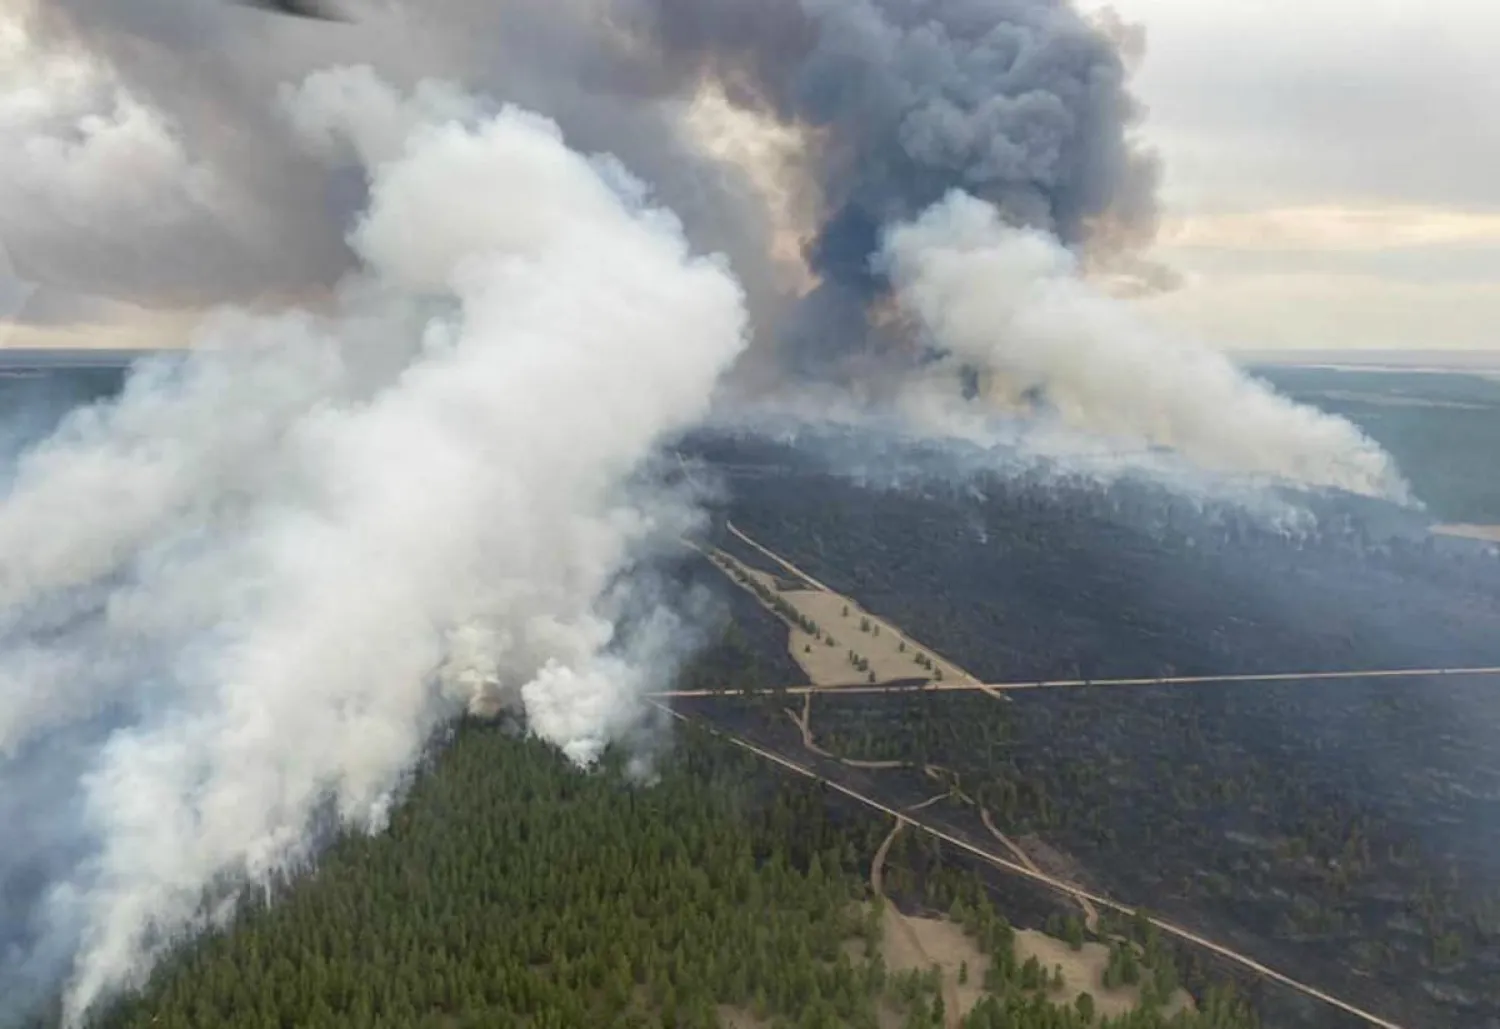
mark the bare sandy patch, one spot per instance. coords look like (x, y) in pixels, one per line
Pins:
(888, 653)
(739, 1018)
(1083, 972)
(849, 644)
(1489, 533)
(911, 944)
(917, 944)
(898, 652)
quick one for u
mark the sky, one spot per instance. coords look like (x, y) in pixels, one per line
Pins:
(1329, 176)
(1330, 170)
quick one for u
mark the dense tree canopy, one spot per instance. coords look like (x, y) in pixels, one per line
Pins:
(515, 890)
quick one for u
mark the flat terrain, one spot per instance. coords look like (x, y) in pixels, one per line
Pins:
(849, 643)
(1083, 972)
(1344, 830)
(915, 943)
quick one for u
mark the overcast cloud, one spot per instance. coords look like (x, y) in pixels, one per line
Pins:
(1330, 169)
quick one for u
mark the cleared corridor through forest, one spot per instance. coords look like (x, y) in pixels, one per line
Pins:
(1169, 680)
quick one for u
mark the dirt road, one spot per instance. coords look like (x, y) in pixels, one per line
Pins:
(1171, 680)
(804, 723)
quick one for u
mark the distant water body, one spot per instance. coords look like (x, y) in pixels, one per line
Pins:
(22, 361)
(39, 387)
(1484, 363)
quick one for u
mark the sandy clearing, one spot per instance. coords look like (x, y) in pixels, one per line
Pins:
(825, 664)
(919, 943)
(739, 1018)
(1083, 972)
(891, 653)
(1488, 533)
(844, 626)
(911, 944)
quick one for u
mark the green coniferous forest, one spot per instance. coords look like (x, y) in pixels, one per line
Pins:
(513, 889)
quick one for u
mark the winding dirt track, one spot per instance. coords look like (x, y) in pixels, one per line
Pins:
(877, 863)
(913, 939)
(804, 723)
(1048, 881)
(1090, 912)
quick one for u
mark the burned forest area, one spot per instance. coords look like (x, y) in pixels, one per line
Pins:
(749, 873)
(1344, 829)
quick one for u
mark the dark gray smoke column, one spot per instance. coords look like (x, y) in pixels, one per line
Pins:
(1022, 103)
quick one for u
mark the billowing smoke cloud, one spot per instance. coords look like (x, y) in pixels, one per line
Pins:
(234, 209)
(1020, 102)
(135, 172)
(253, 586)
(1010, 303)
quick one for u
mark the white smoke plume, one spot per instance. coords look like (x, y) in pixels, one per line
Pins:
(101, 185)
(1010, 303)
(283, 562)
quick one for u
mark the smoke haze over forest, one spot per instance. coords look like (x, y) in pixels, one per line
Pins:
(249, 589)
